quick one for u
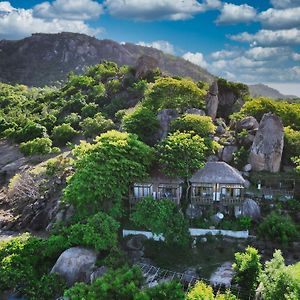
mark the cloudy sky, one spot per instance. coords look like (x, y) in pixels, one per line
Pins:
(242, 40)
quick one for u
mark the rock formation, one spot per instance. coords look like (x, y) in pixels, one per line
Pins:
(251, 209)
(75, 264)
(144, 65)
(195, 111)
(165, 117)
(267, 147)
(248, 123)
(212, 100)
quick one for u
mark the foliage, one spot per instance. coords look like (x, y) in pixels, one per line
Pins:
(25, 260)
(239, 89)
(279, 228)
(143, 123)
(278, 281)
(248, 269)
(56, 166)
(89, 110)
(289, 113)
(179, 94)
(181, 154)
(240, 157)
(200, 125)
(105, 169)
(31, 131)
(96, 125)
(162, 217)
(291, 143)
(98, 232)
(123, 283)
(63, 133)
(202, 291)
(36, 146)
(296, 161)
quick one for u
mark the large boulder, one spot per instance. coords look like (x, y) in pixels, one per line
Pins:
(212, 100)
(165, 117)
(267, 147)
(144, 65)
(226, 154)
(247, 123)
(75, 264)
(251, 209)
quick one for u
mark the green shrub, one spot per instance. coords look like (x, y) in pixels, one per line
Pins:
(143, 123)
(73, 119)
(92, 127)
(201, 125)
(247, 269)
(89, 110)
(162, 217)
(36, 146)
(31, 131)
(291, 144)
(279, 228)
(63, 133)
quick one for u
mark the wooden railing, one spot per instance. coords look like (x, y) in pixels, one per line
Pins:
(208, 200)
(133, 200)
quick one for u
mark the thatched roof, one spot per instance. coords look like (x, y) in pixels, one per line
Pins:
(157, 177)
(218, 172)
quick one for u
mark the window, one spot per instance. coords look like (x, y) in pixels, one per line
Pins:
(142, 190)
(167, 191)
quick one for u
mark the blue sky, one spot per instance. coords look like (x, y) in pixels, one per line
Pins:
(252, 41)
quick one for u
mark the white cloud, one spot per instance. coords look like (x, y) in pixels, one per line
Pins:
(266, 53)
(20, 23)
(196, 58)
(296, 56)
(269, 37)
(144, 10)
(223, 54)
(280, 18)
(285, 3)
(6, 7)
(232, 14)
(68, 9)
(164, 46)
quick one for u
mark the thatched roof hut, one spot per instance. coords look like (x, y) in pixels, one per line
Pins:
(218, 172)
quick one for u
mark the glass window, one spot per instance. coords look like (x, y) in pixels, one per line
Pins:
(141, 191)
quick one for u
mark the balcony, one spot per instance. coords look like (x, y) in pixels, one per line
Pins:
(224, 201)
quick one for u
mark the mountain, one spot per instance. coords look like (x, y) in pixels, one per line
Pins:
(44, 59)
(262, 90)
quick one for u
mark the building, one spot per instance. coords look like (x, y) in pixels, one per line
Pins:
(218, 185)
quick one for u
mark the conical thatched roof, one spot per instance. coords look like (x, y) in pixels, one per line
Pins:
(218, 172)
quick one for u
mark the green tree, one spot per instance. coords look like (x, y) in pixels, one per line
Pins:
(279, 228)
(278, 281)
(63, 133)
(247, 269)
(291, 143)
(178, 94)
(31, 131)
(105, 170)
(96, 125)
(143, 123)
(181, 154)
(162, 217)
(89, 110)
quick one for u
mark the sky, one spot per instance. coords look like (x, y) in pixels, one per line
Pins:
(250, 41)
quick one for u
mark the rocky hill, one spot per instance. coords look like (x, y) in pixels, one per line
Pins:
(262, 90)
(43, 59)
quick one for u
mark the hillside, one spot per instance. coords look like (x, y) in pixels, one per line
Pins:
(262, 90)
(43, 59)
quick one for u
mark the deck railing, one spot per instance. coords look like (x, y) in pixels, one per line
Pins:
(208, 200)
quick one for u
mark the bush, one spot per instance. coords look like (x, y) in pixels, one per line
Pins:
(291, 143)
(143, 123)
(240, 158)
(89, 110)
(201, 125)
(179, 94)
(92, 127)
(62, 134)
(279, 228)
(247, 269)
(73, 119)
(162, 217)
(31, 131)
(36, 146)
(278, 281)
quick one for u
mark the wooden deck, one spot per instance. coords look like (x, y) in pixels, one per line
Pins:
(225, 201)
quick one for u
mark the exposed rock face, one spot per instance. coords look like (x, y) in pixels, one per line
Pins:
(212, 100)
(165, 117)
(267, 147)
(223, 275)
(75, 264)
(195, 111)
(144, 65)
(251, 209)
(43, 59)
